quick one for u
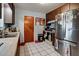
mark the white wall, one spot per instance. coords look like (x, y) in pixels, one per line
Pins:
(19, 19)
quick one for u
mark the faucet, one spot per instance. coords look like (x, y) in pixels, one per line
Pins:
(3, 34)
(1, 44)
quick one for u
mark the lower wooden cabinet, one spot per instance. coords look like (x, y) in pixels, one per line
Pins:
(17, 51)
(18, 48)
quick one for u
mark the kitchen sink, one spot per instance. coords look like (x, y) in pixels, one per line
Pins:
(9, 35)
(6, 36)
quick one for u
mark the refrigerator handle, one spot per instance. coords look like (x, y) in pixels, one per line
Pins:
(64, 25)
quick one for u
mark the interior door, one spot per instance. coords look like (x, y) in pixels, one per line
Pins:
(28, 29)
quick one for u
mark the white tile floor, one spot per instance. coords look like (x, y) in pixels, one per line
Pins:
(38, 49)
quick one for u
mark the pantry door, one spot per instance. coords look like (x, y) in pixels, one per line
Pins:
(28, 29)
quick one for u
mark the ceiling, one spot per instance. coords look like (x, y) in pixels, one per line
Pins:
(38, 7)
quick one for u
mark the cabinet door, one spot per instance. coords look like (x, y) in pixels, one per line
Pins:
(7, 13)
(64, 8)
(74, 6)
(51, 15)
(13, 12)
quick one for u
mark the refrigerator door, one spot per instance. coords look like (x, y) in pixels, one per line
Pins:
(69, 23)
(64, 48)
(74, 50)
(72, 26)
(60, 26)
(75, 32)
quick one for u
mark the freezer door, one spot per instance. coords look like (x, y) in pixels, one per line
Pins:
(63, 48)
(74, 49)
(72, 25)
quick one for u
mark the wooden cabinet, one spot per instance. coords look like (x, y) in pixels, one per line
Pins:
(74, 5)
(18, 48)
(9, 13)
(13, 12)
(64, 8)
(68, 6)
(51, 15)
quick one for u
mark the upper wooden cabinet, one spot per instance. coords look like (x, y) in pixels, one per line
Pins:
(13, 12)
(9, 13)
(68, 6)
(64, 8)
(51, 15)
(74, 5)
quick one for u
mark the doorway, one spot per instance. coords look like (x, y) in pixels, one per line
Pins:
(28, 29)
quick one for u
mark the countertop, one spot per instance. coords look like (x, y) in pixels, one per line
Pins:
(50, 31)
(10, 45)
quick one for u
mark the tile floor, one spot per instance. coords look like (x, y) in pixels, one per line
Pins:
(38, 49)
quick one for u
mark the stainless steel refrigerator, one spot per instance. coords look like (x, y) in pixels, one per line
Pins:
(67, 33)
